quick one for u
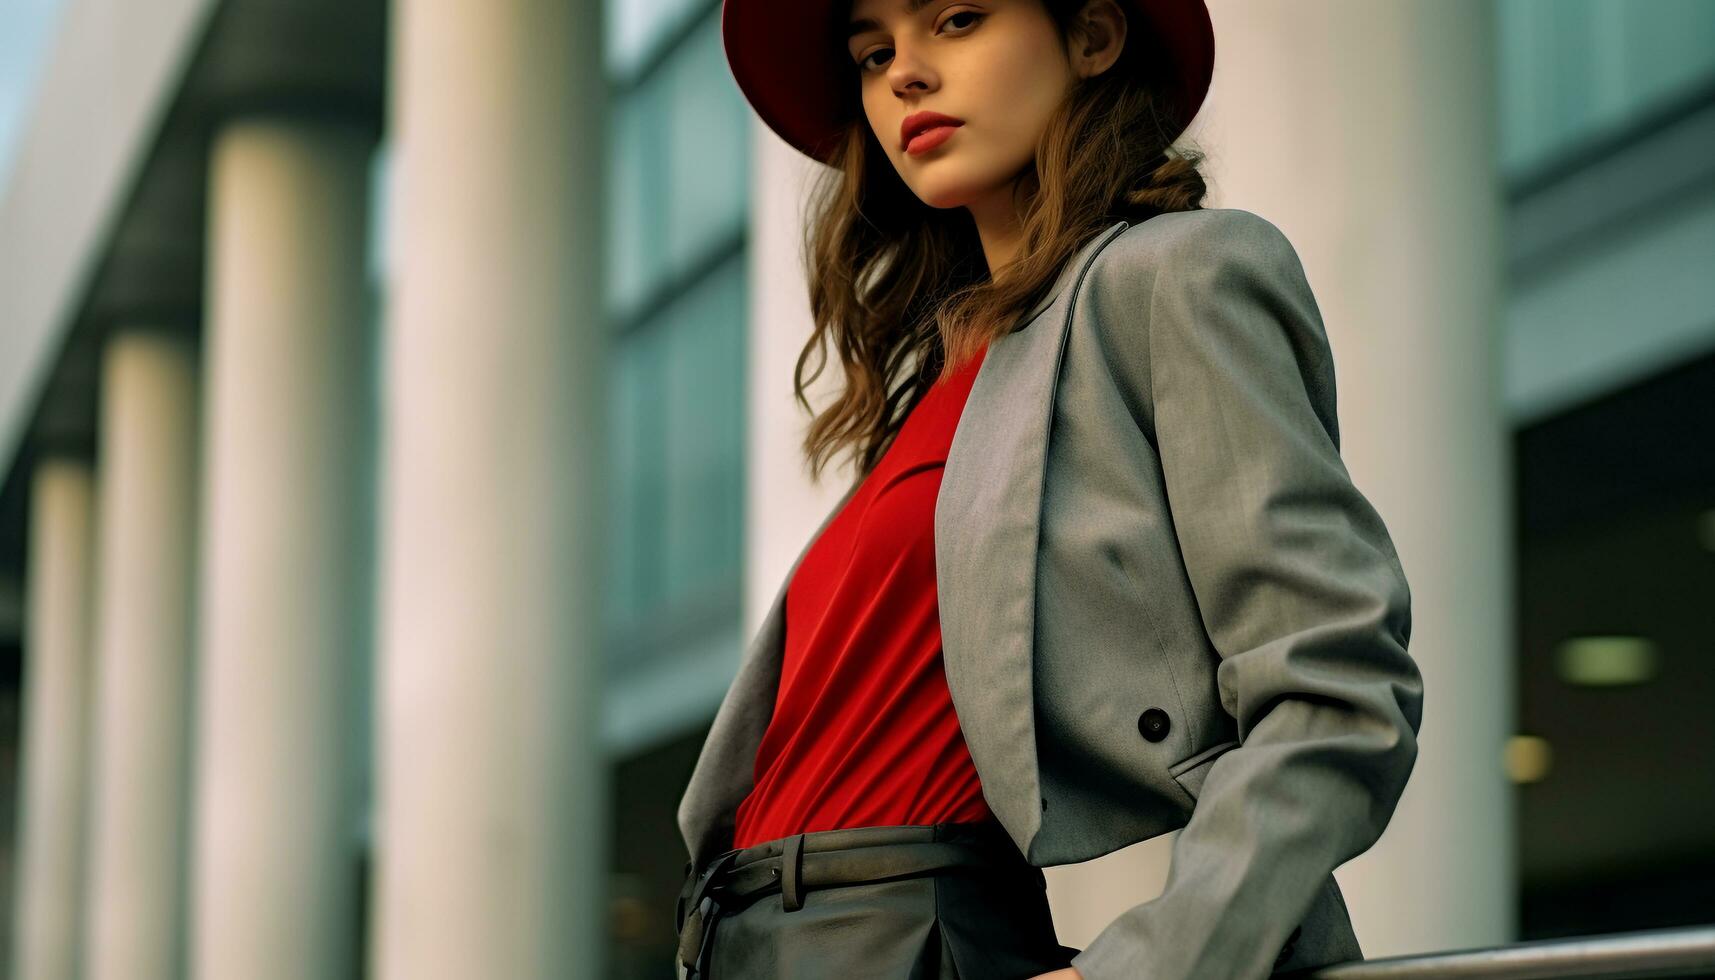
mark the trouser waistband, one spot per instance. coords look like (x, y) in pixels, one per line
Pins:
(800, 863)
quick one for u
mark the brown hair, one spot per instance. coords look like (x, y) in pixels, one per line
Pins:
(901, 290)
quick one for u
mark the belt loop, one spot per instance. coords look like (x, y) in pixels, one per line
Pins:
(791, 888)
(679, 909)
(706, 944)
(701, 909)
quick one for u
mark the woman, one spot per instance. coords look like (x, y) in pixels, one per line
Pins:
(1103, 574)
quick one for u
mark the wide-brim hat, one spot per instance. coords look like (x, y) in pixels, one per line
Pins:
(789, 59)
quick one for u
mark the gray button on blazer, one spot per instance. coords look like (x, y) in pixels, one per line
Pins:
(1163, 604)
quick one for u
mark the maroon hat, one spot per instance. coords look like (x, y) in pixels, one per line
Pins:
(782, 54)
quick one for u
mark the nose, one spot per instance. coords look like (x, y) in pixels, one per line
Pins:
(908, 73)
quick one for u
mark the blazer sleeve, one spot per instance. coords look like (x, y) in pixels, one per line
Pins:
(1300, 590)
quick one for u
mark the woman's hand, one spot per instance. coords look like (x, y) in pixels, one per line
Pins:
(1066, 974)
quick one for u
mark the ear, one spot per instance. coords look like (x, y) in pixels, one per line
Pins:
(1096, 38)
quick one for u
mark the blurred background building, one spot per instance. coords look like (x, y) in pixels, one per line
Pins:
(397, 449)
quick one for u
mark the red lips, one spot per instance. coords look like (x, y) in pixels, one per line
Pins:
(919, 121)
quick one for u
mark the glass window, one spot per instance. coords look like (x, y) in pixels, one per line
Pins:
(1574, 69)
(703, 388)
(637, 214)
(678, 206)
(637, 477)
(677, 436)
(636, 29)
(678, 169)
(709, 161)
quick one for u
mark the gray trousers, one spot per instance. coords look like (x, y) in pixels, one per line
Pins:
(932, 902)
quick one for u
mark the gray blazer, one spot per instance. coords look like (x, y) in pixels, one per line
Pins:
(1163, 604)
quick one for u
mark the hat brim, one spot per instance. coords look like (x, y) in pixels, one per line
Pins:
(781, 53)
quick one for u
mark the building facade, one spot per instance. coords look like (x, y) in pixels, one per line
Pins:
(397, 446)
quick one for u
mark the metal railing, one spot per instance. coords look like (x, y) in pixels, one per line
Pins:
(1682, 952)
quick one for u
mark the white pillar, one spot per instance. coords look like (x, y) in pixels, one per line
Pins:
(285, 585)
(1365, 131)
(492, 839)
(783, 508)
(146, 508)
(53, 772)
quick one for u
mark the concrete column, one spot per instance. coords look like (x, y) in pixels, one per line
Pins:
(783, 508)
(492, 838)
(54, 773)
(285, 560)
(146, 509)
(1366, 132)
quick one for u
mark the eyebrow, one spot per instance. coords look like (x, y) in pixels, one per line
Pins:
(866, 24)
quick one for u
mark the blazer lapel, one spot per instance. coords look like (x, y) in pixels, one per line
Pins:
(987, 519)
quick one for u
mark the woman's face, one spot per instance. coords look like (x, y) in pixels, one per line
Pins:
(997, 67)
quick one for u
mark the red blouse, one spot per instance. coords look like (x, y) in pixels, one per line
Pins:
(863, 732)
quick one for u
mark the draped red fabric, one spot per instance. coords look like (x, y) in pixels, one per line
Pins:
(863, 732)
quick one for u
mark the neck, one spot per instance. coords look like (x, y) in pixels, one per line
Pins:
(999, 227)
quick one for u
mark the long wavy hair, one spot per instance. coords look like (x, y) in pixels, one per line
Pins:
(901, 290)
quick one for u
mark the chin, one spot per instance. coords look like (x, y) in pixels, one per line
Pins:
(943, 203)
(942, 194)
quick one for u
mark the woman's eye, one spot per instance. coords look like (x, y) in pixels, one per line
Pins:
(962, 13)
(864, 63)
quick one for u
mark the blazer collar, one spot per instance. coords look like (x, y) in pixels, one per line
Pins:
(1069, 271)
